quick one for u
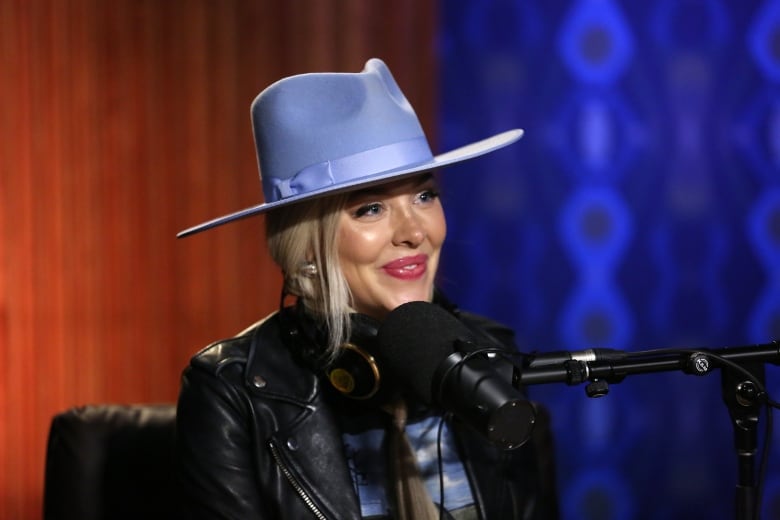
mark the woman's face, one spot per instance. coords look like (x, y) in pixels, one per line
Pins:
(389, 240)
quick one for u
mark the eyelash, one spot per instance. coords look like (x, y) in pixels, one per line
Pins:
(432, 193)
(363, 210)
(426, 196)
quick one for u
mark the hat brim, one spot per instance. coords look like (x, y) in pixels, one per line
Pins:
(457, 155)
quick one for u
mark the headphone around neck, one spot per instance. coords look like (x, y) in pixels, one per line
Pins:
(356, 373)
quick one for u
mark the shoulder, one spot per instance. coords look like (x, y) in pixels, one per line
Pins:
(490, 328)
(235, 350)
(486, 327)
(259, 361)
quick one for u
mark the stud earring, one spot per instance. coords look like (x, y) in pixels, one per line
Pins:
(309, 270)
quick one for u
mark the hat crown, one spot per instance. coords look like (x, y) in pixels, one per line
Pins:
(319, 134)
(319, 129)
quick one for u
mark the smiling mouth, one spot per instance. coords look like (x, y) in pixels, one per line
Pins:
(408, 268)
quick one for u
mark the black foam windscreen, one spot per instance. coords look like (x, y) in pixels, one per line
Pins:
(413, 341)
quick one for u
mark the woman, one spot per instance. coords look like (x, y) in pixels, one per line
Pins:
(294, 418)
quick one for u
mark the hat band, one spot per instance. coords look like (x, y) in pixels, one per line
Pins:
(354, 167)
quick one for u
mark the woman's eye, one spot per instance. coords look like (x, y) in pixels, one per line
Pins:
(368, 210)
(428, 195)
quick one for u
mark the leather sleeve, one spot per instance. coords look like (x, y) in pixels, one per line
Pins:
(214, 448)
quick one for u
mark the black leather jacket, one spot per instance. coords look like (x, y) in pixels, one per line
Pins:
(258, 439)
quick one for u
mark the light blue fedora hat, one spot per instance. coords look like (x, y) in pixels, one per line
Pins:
(319, 134)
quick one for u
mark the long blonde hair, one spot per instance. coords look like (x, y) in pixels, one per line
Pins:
(306, 233)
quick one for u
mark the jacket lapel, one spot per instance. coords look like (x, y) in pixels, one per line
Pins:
(312, 457)
(305, 441)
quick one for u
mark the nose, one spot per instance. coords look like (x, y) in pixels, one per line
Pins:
(409, 229)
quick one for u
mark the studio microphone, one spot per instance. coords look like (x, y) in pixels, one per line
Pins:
(439, 359)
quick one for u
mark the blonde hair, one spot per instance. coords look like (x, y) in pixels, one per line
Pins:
(306, 233)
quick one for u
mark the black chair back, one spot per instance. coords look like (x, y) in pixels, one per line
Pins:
(111, 461)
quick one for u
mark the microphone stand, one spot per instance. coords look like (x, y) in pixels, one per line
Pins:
(742, 387)
(742, 399)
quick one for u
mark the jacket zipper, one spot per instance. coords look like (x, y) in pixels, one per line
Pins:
(296, 486)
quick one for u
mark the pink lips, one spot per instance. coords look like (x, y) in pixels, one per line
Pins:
(408, 267)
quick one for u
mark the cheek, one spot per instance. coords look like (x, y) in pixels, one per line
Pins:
(437, 229)
(357, 246)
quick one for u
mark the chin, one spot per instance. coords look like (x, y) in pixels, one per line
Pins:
(422, 297)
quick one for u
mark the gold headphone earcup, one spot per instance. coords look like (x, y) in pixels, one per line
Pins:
(355, 373)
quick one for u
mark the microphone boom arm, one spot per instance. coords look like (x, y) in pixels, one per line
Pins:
(742, 386)
(690, 361)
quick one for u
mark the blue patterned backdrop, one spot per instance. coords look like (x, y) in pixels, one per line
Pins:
(640, 211)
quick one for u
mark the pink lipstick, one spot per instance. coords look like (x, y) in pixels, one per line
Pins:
(408, 267)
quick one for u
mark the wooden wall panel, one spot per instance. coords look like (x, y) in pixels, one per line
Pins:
(124, 122)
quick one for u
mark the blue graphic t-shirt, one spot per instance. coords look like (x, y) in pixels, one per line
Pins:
(367, 463)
